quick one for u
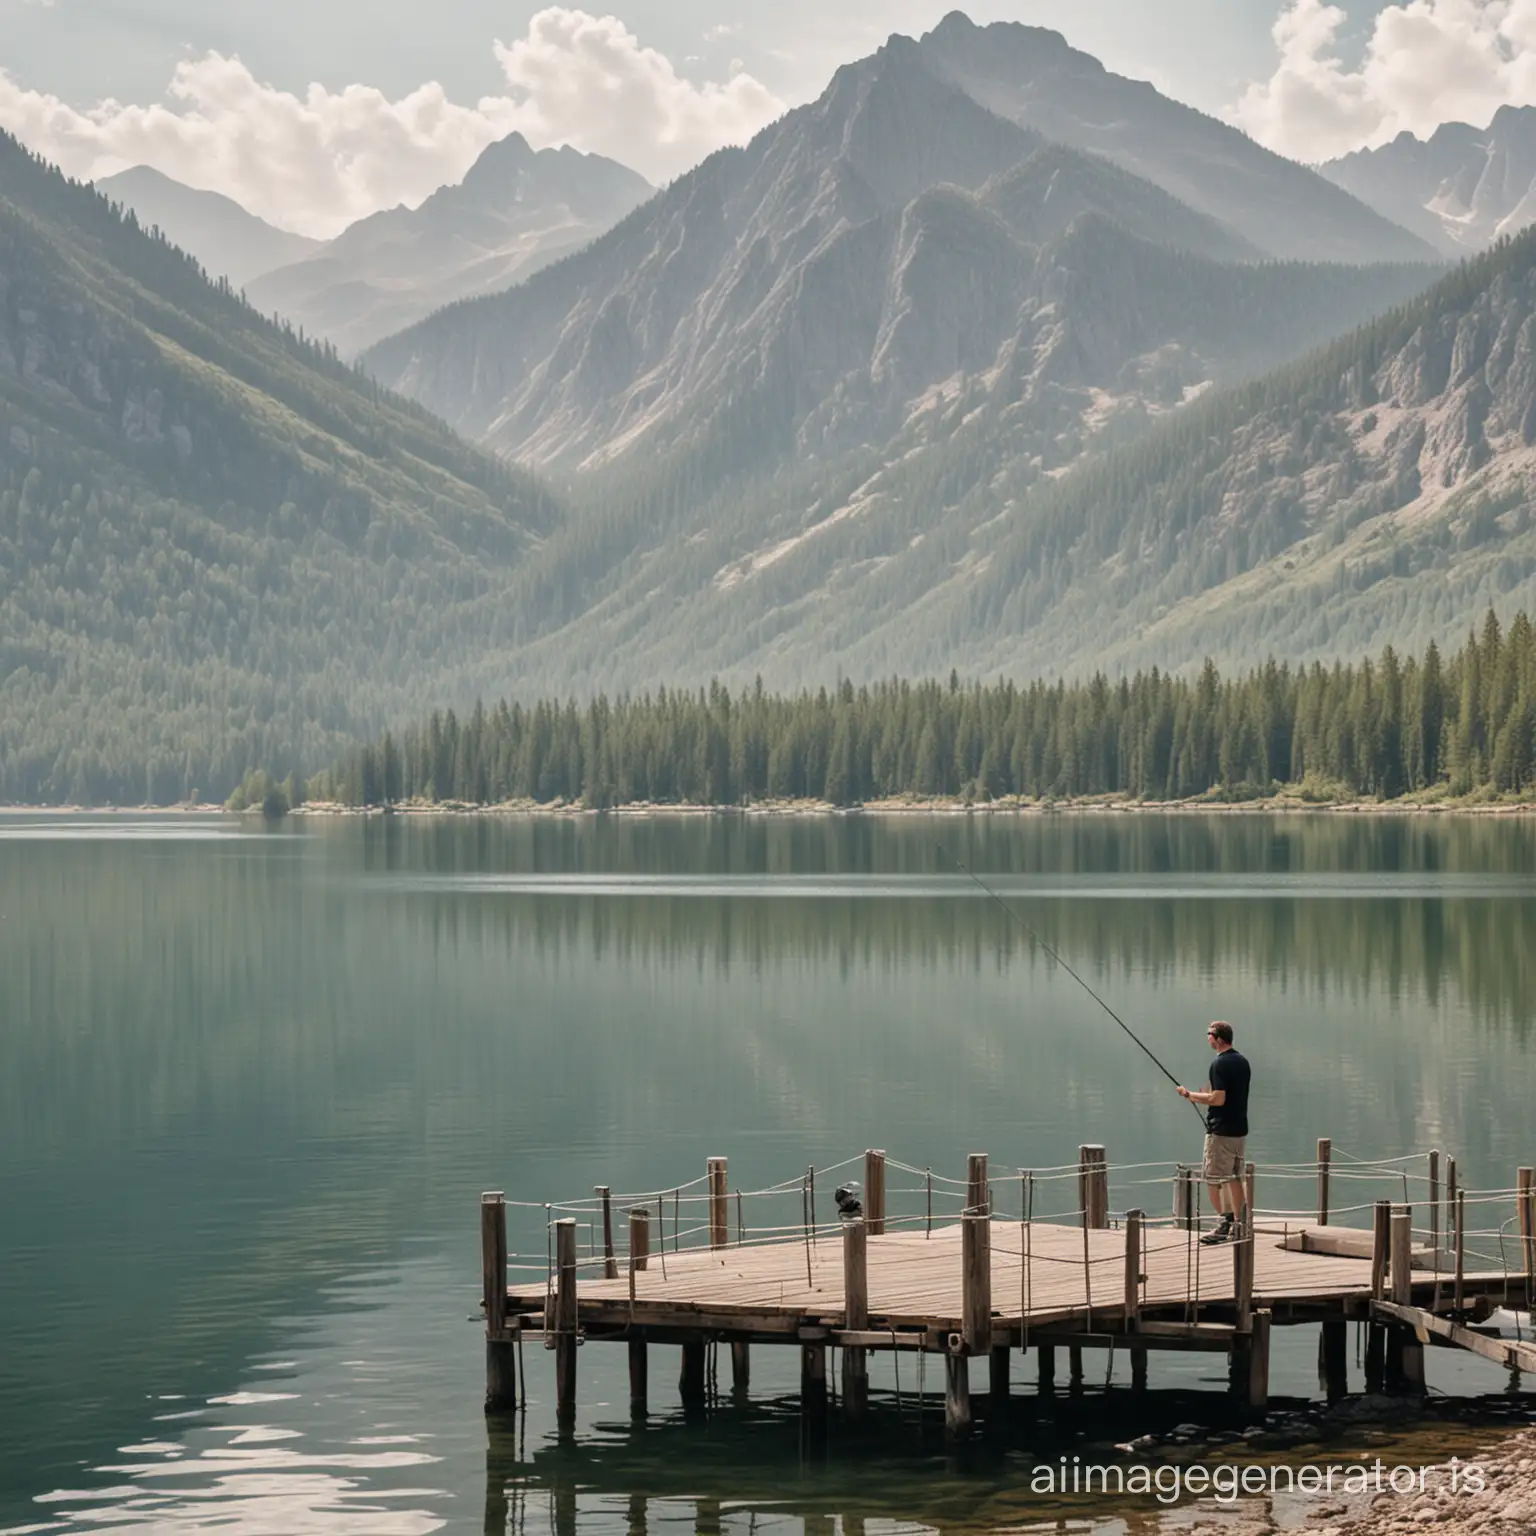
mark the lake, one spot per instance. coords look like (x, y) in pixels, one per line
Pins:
(255, 1079)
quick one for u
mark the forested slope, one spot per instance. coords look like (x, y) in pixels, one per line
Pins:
(218, 544)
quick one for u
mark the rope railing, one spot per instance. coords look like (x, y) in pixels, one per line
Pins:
(701, 1215)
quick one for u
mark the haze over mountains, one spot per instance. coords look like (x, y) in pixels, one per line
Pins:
(517, 210)
(987, 358)
(1460, 189)
(227, 240)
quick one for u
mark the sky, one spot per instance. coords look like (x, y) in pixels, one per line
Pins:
(313, 113)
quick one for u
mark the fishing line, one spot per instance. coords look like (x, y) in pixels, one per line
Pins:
(1056, 956)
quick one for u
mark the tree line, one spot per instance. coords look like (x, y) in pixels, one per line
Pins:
(1382, 727)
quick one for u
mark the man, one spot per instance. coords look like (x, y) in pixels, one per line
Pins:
(1226, 1126)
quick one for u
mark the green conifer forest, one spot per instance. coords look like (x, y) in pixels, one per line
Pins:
(1384, 728)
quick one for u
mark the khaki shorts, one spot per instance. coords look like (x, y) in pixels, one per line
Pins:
(1224, 1158)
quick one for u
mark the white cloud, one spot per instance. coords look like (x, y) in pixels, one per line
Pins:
(316, 162)
(586, 80)
(1425, 62)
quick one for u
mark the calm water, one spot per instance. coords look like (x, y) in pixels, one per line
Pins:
(254, 1081)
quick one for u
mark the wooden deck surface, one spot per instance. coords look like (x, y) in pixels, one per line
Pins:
(915, 1279)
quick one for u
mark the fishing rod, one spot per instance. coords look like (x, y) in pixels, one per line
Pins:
(1056, 956)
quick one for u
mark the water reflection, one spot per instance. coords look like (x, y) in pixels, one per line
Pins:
(255, 1081)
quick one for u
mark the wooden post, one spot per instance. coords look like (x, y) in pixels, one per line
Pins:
(1333, 1358)
(1375, 1356)
(741, 1366)
(1242, 1279)
(500, 1344)
(1525, 1186)
(976, 1195)
(1045, 1367)
(610, 1263)
(639, 1240)
(1133, 1230)
(1461, 1239)
(639, 1258)
(690, 1380)
(997, 1382)
(565, 1319)
(1184, 1198)
(1434, 1198)
(1258, 1360)
(957, 1395)
(976, 1282)
(813, 1390)
(719, 1215)
(1093, 1186)
(1401, 1261)
(1405, 1355)
(855, 1317)
(1381, 1236)
(874, 1192)
(1324, 1164)
(1133, 1221)
(1250, 1199)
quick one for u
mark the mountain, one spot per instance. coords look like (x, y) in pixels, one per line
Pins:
(1033, 77)
(1460, 189)
(517, 210)
(227, 240)
(806, 294)
(1378, 490)
(219, 545)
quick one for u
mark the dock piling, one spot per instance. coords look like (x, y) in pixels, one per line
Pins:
(691, 1377)
(976, 1282)
(1434, 1198)
(1258, 1360)
(639, 1259)
(1184, 1207)
(1093, 1186)
(856, 1317)
(1134, 1223)
(813, 1390)
(1324, 1165)
(874, 1192)
(565, 1319)
(500, 1342)
(610, 1263)
(1525, 1185)
(741, 1367)
(977, 1196)
(1333, 1358)
(1242, 1279)
(1045, 1368)
(1405, 1357)
(1381, 1237)
(719, 1211)
(957, 1395)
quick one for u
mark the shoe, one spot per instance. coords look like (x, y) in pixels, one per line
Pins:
(1218, 1235)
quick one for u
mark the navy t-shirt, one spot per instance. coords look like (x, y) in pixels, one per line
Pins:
(1230, 1070)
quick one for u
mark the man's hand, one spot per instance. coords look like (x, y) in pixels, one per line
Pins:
(1183, 1091)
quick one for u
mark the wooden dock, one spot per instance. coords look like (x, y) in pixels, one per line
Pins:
(973, 1281)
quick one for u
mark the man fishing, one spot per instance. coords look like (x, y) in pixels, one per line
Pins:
(1226, 1127)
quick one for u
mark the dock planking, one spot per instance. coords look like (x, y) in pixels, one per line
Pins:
(984, 1283)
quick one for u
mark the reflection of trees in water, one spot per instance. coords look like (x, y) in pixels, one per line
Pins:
(1395, 948)
(1068, 842)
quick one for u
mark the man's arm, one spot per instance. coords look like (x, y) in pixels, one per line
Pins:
(1215, 1097)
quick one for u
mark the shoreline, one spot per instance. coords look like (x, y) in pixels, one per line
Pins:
(1273, 805)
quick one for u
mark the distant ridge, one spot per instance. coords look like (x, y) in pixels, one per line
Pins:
(223, 236)
(516, 210)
